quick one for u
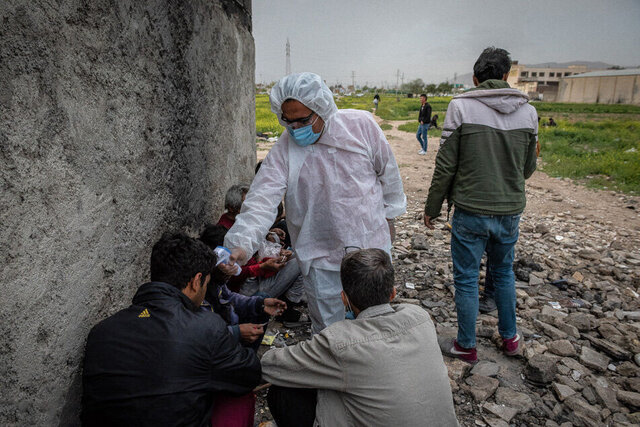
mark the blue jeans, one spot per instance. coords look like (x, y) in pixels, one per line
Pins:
(489, 290)
(422, 136)
(471, 236)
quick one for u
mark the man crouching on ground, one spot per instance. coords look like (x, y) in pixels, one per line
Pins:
(160, 361)
(382, 368)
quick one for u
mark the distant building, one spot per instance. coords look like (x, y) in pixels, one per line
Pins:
(602, 87)
(541, 82)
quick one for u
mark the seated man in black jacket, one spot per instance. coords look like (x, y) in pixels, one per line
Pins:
(160, 361)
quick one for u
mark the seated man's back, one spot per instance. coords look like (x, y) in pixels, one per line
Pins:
(383, 368)
(160, 361)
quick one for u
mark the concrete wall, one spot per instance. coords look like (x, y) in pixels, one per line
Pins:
(119, 120)
(601, 90)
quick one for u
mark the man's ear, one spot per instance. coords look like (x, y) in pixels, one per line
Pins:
(505, 76)
(475, 81)
(195, 283)
(393, 294)
(345, 301)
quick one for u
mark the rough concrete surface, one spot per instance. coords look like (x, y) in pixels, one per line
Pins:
(119, 120)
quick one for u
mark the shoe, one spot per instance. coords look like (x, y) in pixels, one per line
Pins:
(512, 346)
(450, 347)
(487, 305)
(422, 152)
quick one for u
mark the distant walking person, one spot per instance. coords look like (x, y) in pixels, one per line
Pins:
(376, 100)
(424, 119)
(487, 150)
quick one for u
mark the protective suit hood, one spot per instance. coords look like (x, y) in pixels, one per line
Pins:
(309, 89)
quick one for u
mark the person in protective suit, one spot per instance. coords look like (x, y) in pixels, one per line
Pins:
(341, 185)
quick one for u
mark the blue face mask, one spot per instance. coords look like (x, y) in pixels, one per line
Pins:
(349, 314)
(305, 135)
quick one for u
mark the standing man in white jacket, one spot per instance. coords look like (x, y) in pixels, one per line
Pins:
(341, 184)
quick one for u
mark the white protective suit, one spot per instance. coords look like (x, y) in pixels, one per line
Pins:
(338, 192)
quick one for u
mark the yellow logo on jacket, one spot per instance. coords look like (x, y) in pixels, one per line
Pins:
(145, 313)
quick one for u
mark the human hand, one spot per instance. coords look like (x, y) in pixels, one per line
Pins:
(250, 332)
(274, 307)
(238, 255)
(272, 264)
(428, 223)
(392, 229)
(538, 149)
(285, 255)
(228, 270)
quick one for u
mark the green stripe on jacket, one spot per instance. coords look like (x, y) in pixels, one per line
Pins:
(482, 170)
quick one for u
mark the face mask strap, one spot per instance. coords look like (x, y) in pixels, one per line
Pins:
(348, 303)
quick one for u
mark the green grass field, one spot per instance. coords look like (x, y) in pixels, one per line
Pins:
(595, 144)
(600, 154)
(266, 121)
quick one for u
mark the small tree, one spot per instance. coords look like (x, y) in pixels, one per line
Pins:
(430, 89)
(444, 88)
(414, 86)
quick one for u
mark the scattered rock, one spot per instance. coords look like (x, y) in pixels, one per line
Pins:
(582, 408)
(610, 348)
(582, 321)
(481, 387)
(501, 411)
(540, 369)
(486, 368)
(514, 399)
(578, 307)
(594, 360)
(550, 331)
(419, 242)
(535, 280)
(563, 391)
(629, 398)
(562, 348)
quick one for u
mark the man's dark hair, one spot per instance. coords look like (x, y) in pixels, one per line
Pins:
(425, 95)
(367, 277)
(213, 235)
(493, 63)
(177, 258)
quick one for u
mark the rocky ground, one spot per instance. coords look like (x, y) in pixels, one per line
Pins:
(578, 282)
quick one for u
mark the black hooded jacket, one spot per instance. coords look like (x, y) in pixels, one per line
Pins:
(160, 361)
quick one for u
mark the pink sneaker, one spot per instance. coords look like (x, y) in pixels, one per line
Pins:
(512, 346)
(450, 347)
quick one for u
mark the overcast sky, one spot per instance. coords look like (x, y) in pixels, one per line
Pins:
(432, 40)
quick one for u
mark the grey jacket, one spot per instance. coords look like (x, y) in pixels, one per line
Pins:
(382, 369)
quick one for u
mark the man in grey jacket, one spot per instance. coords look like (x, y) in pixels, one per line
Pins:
(382, 368)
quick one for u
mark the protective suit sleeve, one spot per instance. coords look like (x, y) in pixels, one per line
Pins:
(386, 167)
(260, 207)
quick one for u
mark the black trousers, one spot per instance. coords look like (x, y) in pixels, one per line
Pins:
(292, 407)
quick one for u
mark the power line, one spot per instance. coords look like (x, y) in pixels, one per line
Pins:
(288, 50)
